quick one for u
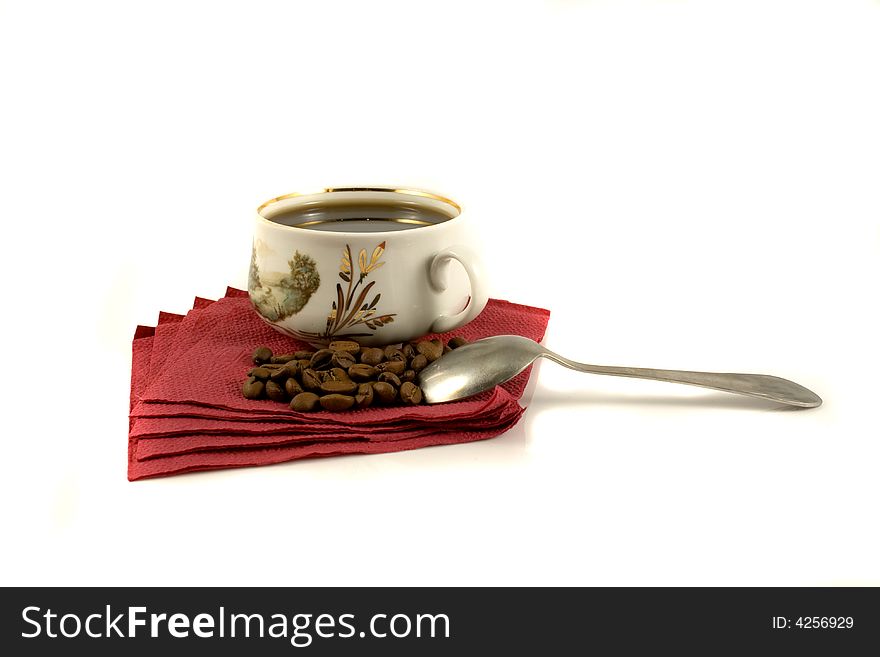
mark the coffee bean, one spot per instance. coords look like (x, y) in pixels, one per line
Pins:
(275, 392)
(350, 346)
(321, 359)
(393, 366)
(364, 396)
(311, 380)
(304, 402)
(343, 359)
(339, 387)
(292, 387)
(333, 379)
(389, 377)
(338, 374)
(279, 374)
(372, 356)
(337, 402)
(260, 373)
(393, 352)
(262, 355)
(410, 393)
(362, 372)
(252, 389)
(430, 350)
(384, 392)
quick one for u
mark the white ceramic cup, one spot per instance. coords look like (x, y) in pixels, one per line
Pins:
(367, 264)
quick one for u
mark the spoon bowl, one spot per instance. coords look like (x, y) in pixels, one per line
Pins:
(477, 366)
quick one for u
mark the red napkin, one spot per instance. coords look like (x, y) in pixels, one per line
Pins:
(187, 412)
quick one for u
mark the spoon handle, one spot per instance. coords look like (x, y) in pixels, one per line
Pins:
(754, 385)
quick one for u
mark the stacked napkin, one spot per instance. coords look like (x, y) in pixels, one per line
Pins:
(187, 412)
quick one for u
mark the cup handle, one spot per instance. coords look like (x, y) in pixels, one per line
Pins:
(438, 277)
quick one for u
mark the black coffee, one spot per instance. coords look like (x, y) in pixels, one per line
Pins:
(362, 216)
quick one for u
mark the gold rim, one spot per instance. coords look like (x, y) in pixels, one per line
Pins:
(330, 190)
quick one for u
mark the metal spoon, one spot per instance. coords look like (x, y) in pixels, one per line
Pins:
(483, 364)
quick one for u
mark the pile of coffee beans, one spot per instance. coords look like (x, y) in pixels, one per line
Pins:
(344, 375)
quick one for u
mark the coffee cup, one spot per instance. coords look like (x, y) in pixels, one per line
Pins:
(370, 264)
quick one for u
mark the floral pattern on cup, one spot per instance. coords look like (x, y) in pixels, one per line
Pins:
(346, 313)
(278, 296)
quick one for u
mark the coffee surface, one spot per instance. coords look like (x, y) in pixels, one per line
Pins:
(360, 217)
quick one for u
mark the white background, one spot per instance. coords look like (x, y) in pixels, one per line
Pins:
(684, 184)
